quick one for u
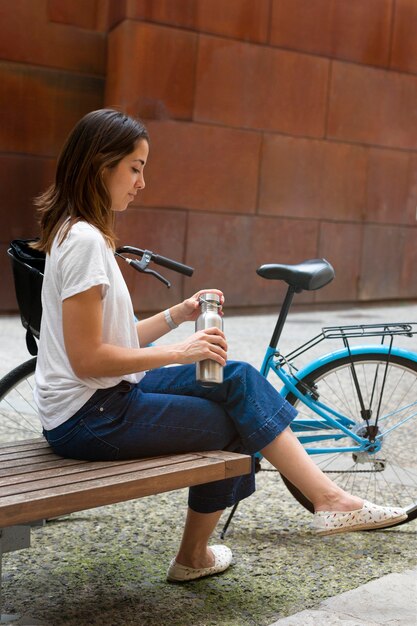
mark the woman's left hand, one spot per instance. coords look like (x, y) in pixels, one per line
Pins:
(189, 309)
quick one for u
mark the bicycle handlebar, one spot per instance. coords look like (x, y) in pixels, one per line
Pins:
(170, 264)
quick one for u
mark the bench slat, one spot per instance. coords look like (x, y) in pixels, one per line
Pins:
(76, 496)
(11, 473)
(17, 457)
(25, 444)
(82, 471)
(18, 452)
(36, 467)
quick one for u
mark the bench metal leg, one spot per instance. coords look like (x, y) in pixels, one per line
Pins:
(11, 539)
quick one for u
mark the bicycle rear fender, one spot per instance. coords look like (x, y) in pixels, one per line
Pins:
(343, 353)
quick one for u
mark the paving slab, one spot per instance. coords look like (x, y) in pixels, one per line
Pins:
(388, 601)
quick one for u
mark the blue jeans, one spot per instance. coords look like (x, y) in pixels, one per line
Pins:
(168, 412)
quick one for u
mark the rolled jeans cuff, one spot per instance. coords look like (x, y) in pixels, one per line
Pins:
(204, 499)
(270, 429)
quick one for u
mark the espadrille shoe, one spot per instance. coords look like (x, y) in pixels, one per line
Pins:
(368, 517)
(181, 574)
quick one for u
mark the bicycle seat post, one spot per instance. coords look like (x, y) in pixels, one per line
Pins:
(283, 314)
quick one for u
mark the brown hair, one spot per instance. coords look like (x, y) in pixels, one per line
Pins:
(99, 140)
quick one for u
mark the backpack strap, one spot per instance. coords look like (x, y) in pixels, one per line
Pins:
(31, 344)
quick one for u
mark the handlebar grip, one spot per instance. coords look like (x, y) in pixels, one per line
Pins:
(173, 265)
(159, 260)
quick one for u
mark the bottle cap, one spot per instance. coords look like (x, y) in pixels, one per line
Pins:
(210, 297)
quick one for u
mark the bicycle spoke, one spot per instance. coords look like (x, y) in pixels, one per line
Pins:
(18, 414)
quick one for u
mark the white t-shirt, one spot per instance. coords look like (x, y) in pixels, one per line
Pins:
(82, 261)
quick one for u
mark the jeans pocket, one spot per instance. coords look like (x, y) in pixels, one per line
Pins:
(62, 434)
(81, 442)
(111, 400)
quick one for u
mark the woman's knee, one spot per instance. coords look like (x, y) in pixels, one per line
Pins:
(241, 369)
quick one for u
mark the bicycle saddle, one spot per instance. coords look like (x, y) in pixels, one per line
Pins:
(309, 275)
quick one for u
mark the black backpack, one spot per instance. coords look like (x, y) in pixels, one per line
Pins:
(28, 269)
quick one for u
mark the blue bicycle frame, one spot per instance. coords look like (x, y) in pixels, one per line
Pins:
(329, 419)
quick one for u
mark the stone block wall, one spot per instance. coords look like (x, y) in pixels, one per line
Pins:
(280, 130)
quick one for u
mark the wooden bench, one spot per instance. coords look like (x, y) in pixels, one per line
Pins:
(36, 484)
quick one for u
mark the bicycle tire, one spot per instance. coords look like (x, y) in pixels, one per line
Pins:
(388, 477)
(18, 414)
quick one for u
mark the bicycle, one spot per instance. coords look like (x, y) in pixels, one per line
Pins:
(356, 404)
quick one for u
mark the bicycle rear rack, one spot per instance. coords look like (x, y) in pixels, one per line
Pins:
(369, 330)
(406, 329)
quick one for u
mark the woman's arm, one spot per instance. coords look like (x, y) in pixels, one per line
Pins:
(90, 357)
(156, 326)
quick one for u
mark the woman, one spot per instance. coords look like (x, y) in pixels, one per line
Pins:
(94, 398)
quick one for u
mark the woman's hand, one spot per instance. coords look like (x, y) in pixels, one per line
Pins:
(189, 309)
(152, 328)
(204, 344)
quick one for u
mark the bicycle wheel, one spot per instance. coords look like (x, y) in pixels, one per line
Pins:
(18, 414)
(388, 476)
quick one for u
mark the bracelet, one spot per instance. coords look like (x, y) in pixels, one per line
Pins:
(169, 320)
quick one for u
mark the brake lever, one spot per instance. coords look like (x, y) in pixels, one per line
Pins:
(157, 275)
(142, 266)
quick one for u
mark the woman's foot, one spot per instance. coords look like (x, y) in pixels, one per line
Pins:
(216, 560)
(197, 558)
(338, 501)
(368, 516)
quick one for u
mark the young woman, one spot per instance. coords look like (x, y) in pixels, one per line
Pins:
(103, 394)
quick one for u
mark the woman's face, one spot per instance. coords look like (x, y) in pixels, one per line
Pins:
(125, 179)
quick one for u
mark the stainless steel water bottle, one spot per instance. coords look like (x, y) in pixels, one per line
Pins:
(209, 372)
